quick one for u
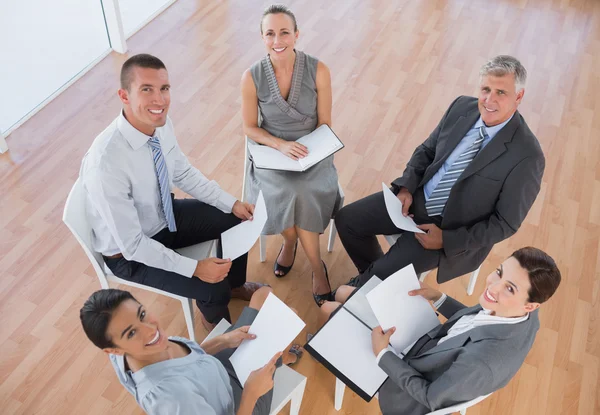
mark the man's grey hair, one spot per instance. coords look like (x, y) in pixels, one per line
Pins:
(505, 64)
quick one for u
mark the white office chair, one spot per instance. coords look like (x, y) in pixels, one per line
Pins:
(391, 239)
(263, 238)
(340, 388)
(289, 384)
(462, 407)
(74, 217)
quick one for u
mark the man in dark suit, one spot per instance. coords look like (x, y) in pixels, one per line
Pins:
(469, 186)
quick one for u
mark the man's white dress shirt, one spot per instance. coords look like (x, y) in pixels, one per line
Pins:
(124, 204)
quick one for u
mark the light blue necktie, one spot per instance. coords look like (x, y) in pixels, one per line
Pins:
(438, 198)
(163, 182)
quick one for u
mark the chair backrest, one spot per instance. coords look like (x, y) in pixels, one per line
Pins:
(74, 216)
(459, 407)
(246, 161)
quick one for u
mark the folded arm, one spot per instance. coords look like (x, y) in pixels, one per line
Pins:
(250, 115)
(446, 390)
(193, 182)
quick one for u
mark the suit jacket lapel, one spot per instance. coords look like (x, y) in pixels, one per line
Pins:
(452, 343)
(494, 148)
(458, 132)
(442, 329)
(500, 331)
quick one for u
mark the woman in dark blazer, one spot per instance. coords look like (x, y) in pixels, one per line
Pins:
(477, 350)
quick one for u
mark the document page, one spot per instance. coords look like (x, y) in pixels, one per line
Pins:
(345, 343)
(321, 143)
(275, 327)
(241, 238)
(359, 306)
(394, 209)
(412, 316)
(268, 158)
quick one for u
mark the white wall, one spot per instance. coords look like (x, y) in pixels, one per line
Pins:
(137, 12)
(43, 44)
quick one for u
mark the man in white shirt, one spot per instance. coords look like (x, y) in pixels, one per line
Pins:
(128, 173)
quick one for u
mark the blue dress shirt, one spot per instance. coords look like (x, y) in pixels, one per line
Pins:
(461, 148)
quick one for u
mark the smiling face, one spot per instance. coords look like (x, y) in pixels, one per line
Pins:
(498, 98)
(507, 291)
(279, 36)
(146, 102)
(135, 332)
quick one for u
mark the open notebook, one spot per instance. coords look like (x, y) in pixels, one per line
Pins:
(343, 345)
(321, 144)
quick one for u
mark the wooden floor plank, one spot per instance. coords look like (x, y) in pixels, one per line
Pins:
(396, 65)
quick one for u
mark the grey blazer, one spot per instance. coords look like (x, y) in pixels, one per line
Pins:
(490, 200)
(477, 362)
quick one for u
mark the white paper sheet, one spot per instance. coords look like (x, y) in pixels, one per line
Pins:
(359, 305)
(320, 143)
(238, 240)
(275, 327)
(394, 209)
(412, 316)
(346, 344)
(268, 158)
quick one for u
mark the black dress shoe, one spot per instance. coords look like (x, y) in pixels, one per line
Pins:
(321, 298)
(284, 270)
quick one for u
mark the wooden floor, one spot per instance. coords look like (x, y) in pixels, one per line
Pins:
(396, 65)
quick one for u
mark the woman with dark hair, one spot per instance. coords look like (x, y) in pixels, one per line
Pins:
(287, 95)
(477, 350)
(174, 375)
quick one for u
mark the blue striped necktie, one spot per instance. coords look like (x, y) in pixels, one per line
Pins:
(438, 198)
(163, 182)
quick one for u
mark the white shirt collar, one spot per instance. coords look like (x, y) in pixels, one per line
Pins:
(485, 317)
(491, 131)
(134, 137)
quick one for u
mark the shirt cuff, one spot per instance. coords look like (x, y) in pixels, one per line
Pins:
(186, 266)
(226, 202)
(381, 353)
(439, 302)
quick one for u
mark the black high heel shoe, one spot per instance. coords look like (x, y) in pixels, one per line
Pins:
(321, 298)
(284, 270)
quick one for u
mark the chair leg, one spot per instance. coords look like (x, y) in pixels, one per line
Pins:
(473, 281)
(332, 234)
(423, 275)
(340, 387)
(188, 312)
(296, 399)
(262, 243)
(332, 228)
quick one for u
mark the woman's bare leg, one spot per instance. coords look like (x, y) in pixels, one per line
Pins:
(310, 244)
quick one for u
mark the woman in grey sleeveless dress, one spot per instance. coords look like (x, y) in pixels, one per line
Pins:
(290, 92)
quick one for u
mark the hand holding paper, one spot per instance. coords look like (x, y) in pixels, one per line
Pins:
(394, 209)
(239, 239)
(393, 307)
(275, 326)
